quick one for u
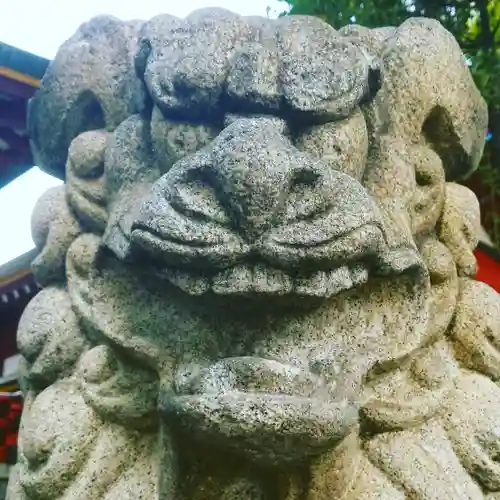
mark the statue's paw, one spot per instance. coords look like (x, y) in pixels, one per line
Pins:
(49, 338)
(471, 422)
(389, 414)
(265, 427)
(57, 435)
(475, 332)
(118, 391)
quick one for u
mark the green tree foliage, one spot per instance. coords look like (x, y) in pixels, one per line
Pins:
(482, 41)
(476, 26)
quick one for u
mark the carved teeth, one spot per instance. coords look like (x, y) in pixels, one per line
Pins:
(338, 280)
(238, 279)
(359, 274)
(187, 283)
(325, 283)
(260, 279)
(398, 261)
(267, 280)
(314, 286)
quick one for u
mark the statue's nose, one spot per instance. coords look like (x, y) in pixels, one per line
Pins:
(254, 177)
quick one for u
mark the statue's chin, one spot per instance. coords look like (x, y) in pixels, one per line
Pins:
(246, 423)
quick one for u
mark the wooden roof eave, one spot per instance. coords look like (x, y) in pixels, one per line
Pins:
(20, 71)
(17, 281)
(20, 75)
(22, 66)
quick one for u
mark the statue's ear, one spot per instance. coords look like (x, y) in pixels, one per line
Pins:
(75, 97)
(418, 60)
(441, 134)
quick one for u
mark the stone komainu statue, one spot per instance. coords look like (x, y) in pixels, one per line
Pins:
(258, 277)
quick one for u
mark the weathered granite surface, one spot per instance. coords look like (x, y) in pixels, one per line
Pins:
(258, 277)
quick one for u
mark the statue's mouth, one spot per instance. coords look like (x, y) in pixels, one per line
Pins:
(273, 268)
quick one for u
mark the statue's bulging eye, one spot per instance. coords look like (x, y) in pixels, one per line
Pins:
(173, 140)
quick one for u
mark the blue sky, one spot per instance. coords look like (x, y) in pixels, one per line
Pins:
(40, 27)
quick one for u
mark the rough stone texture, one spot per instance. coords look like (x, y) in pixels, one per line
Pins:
(258, 273)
